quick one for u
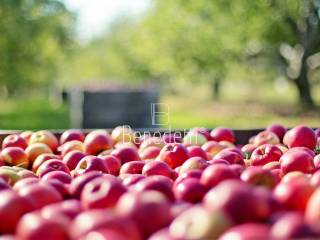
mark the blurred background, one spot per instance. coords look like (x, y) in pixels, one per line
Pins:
(240, 64)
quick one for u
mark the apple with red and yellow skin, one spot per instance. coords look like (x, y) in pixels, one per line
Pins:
(205, 225)
(248, 231)
(43, 158)
(90, 163)
(272, 165)
(112, 163)
(106, 219)
(72, 159)
(294, 195)
(126, 154)
(174, 154)
(277, 129)
(179, 207)
(14, 156)
(297, 160)
(226, 144)
(193, 163)
(133, 167)
(196, 151)
(12, 208)
(26, 135)
(149, 153)
(259, 177)
(156, 167)
(24, 173)
(222, 134)
(79, 182)
(265, 137)
(45, 137)
(14, 140)
(230, 155)
(52, 165)
(212, 148)
(70, 146)
(152, 141)
(125, 144)
(36, 149)
(264, 154)
(214, 174)
(122, 134)
(102, 192)
(97, 141)
(9, 175)
(190, 190)
(300, 136)
(143, 206)
(71, 135)
(35, 226)
(282, 147)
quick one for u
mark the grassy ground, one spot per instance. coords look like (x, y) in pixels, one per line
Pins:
(240, 107)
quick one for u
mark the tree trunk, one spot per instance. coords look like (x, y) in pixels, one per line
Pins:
(216, 84)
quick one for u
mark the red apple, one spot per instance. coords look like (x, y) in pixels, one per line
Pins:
(150, 153)
(297, 161)
(131, 179)
(90, 163)
(265, 137)
(3, 185)
(212, 148)
(14, 140)
(217, 173)
(258, 176)
(264, 154)
(79, 182)
(70, 135)
(112, 163)
(305, 149)
(156, 167)
(70, 146)
(152, 141)
(97, 219)
(222, 134)
(174, 154)
(190, 190)
(97, 141)
(36, 149)
(40, 195)
(102, 192)
(45, 137)
(34, 226)
(23, 183)
(41, 159)
(126, 154)
(133, 167)
(12, 208)
(315, 179)
(231, 156)
(59, 186)
(72, 159)
(248, 149)
(300, 136)
(219, 161)
(26, 135)
(193, 163)
(191, 174)
(312, 213)
(247, 231)
(144, 206)
(68, 209)
(52, 165)
(316, 161)
(104, 234)
(277, 129)
(205, 132)
(179, 207)
(196, 151)
(14, 156)
(61, 176)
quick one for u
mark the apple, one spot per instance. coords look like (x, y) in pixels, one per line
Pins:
(157, 183)
(265, 137)
(226, 144)
(248, 149)
(142, 207)
(222, 134)
(14, 156)
(125, 144)
(174, 154)
(248, 231)
(36, 149)
(196, 151)
(305, 149)
(298, 160)
(24, 182)
(41, 159)
(212, 148)
(102, 192)
(9, 175)
(112, 163)
(68, 209)
(152, 141)
(40, 194)
(277, 129)
(45, 137)
(291, 225)
(3, 185)
(69, 146)
(300, 136)
(14, 140)
(163, 234)
(34, 226)
(198, 223)
(264, 154)
(237, 200)
(172, 138)
(72, 159)
(133, 167)
(272, 165)
(295, 175)
(59, 186)
(316, 161)
(179, 207)
(201, 130)
(190, 190)
(315, 179)
(25, 173)
(294, 195)
(96, 219)
(97, 141)
(104, 234)
(122, 134)
(26, 135)
(156, 167)
(79, 182)
(131, 179)
(231, 155)
(150, 153)
(126, 154)
(61, 176)
(70, 135)
(90, 163)
(193, 163)
(191, 174)
(259, 177)
(12, 208)
(193, 138)
(312, 212)
(217, 173)
(52, 165)
(218, 161)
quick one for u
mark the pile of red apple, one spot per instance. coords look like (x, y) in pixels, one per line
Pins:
(121, 186)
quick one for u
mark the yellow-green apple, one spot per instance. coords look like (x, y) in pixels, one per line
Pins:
(193, 138)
